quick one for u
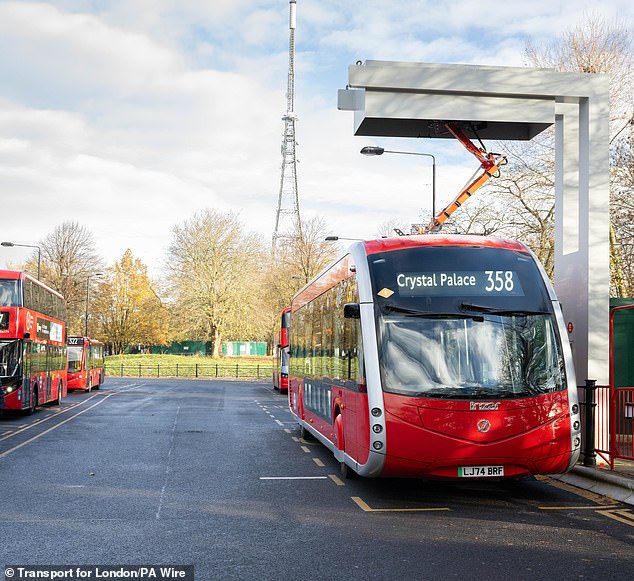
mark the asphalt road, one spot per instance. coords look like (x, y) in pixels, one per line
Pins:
(213, 474)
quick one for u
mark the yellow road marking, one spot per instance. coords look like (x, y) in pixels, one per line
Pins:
(306, 449)
(578, 507)
(592, 496)
(336, 479)
(625, 515)
(367, 508)
(318, 462)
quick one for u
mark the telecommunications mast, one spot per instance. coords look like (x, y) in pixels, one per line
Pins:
(287, 221)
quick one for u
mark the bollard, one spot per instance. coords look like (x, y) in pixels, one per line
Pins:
(589, 455)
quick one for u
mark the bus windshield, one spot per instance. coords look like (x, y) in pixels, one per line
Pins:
(74, 358)
(10, 358)
(464, 323)
(9, 293)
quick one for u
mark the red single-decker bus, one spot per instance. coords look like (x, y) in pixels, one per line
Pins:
(32, 345)
(280, 353)
(437, 357)
(85, 363)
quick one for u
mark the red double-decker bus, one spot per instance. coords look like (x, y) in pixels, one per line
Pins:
(32, 343)
(435, 356)
(85, 363)
(280, 353)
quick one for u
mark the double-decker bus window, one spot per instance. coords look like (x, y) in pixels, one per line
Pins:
(10, 293)
(40, 299)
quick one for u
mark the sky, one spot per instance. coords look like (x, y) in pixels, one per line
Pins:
(130, 116)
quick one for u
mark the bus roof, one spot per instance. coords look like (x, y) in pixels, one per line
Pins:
(22, 275)
(399, 242)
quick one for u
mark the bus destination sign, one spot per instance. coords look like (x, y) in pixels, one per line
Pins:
(459, 283)
(75, 341)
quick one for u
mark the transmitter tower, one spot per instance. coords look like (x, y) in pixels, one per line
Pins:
(287, 221)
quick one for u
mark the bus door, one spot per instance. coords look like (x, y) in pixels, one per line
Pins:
(26, 371)
(49, 367)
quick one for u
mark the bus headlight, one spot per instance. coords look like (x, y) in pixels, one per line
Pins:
(576, 425)
(577, 442)
(376, 412)
(377, 445)
(377, 428)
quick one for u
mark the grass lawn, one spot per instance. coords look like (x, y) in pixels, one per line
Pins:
(155, 365)
(157, 359)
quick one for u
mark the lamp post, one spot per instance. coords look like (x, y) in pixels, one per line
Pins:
(39, 252)
(376, 150)
(335, 238)
(96, 275)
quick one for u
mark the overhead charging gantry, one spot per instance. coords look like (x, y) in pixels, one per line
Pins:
(404, 99)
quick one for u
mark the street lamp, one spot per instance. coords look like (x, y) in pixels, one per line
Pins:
(39, 253)
(376, 150)
(96, 275)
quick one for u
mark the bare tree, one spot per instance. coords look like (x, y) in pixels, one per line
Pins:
(68, 259)
(310, 252)
(293, 265)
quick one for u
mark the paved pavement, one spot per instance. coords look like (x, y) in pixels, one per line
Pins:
(617, 484)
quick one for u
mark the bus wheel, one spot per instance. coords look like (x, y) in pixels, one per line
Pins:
(89, 386)
(59, 394)
(347, 472)
(304, 434)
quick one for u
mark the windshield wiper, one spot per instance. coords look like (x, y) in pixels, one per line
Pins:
(429, 314)
(496, 311)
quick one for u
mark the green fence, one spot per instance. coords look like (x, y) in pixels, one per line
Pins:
(189, 370)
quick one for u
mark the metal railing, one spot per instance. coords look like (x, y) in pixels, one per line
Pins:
(612, 430)
(191, 370)
(623, 425)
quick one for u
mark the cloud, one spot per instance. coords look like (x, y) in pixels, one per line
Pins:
(129, 116)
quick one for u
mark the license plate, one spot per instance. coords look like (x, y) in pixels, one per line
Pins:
(480, 471)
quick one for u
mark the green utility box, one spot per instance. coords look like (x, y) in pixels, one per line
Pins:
(623, 343)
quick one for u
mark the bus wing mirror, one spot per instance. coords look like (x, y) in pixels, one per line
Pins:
(351, 311)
